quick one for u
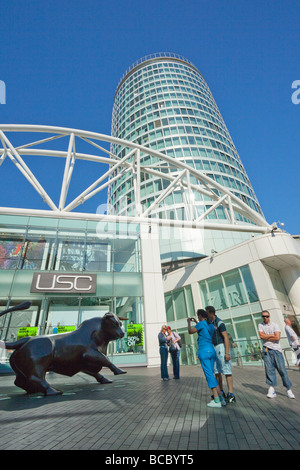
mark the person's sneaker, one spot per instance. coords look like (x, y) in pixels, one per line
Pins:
(222, 400)
(214, 404)
(290, 394)
(271, 393)
(223, 395)
(230, 398)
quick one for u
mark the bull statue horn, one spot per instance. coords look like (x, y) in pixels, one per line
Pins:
(122, 318)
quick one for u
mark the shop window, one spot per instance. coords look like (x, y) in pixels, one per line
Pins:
(189, 301)
(125, 256)
(17, 324)
(249, 284)
(62, 315)
(70, 256)
(248, 343)
(97, 257)
(234, 288)
(10, 252)
(180, 304)
(169, 308)
(278, 285)
(216, 293)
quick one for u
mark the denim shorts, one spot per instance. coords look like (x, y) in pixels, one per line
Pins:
(221, 366)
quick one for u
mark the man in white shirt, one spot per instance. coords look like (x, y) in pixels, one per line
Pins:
(273, 358)
(293, 340)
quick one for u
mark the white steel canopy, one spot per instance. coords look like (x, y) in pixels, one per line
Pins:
(131, 162)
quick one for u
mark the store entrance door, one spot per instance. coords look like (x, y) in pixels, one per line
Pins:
(62, 315)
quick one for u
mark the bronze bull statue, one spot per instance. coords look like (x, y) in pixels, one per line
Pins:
(82, 350)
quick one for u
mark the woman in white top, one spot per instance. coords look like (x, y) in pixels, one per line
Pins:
(293, 340)
(174, 351)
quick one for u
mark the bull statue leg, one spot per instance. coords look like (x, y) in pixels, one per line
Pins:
(98, 377)
(32, 376)
(95, 359)
(40, 385)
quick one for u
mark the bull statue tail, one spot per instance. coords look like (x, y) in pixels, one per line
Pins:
(17, 344)
(22, 306)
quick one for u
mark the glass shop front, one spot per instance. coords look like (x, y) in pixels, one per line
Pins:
(70, 271)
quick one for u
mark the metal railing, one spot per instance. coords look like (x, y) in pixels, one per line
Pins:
(240, 356)
(244, 353)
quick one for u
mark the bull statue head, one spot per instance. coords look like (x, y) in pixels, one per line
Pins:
(111, 326)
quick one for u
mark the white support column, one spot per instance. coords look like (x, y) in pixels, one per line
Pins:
(191, 196)
(291, 279)
(67, 173)
(265, 291)
(231, 210)
(154, 301)
(4, 153)
(3, 156)
(137, 179)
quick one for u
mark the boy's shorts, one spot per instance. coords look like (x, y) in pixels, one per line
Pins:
(221, 366)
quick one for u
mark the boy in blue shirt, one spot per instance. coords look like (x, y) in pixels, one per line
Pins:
(223, 361)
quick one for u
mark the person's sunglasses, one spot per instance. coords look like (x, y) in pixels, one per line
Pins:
(265, 316)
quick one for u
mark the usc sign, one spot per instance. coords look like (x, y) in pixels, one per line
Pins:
(64, 283)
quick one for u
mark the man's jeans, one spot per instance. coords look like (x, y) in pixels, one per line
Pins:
(274, 360)
(164, 361)
(175, 360)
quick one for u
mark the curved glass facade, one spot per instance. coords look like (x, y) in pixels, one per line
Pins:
(163, 102)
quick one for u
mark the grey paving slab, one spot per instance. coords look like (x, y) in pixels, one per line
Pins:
(139, 411)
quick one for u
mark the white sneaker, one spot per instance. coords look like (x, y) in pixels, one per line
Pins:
(271, 393)
(290, 394)
(213, 404)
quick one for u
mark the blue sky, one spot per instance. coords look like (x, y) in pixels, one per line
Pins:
(62, 60)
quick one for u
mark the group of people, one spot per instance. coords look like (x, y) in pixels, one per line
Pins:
(169, 341)
(215, 358)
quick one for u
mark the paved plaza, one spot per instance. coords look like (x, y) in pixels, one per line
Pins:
(139, 411)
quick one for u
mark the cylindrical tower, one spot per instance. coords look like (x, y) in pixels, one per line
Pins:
(162, 102)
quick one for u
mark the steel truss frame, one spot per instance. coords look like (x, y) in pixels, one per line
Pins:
(131, 162)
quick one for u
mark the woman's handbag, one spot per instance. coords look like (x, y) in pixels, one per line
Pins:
(172, 347)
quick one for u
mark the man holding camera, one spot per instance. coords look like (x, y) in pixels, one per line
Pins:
(223, 362)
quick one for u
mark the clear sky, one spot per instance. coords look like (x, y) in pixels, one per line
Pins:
(61, 61)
